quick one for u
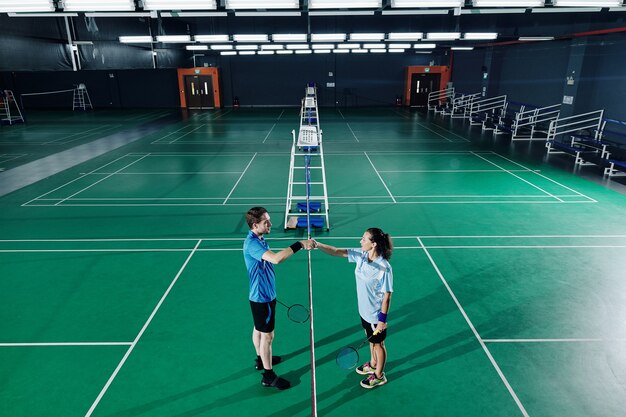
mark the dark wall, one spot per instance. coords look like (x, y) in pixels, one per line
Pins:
(535, 73)
(114, 89)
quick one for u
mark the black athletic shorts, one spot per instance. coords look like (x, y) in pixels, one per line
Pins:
(264, 316)
(369, 329)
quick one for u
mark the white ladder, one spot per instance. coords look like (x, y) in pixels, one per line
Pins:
(81, 98)
(7, 103)
(309, 145)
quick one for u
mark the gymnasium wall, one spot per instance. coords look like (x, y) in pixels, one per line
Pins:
(535, 73)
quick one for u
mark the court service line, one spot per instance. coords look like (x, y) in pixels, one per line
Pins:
(518, 177)
(141, 332)
(55, 344)
(268, 133)
(471, 325)
(185, 134)
(75, 179)
(581, 340)
(339, 110)
(240, 177)
(85, 132)
(543, 176)
(280, 115)
(379, 177)
(101, 179)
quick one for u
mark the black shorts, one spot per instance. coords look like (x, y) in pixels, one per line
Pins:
(264, 316)
(369, 329)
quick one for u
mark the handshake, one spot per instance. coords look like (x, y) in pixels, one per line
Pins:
(309, 244)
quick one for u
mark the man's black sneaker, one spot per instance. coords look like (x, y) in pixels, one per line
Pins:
(275, 361)
(276, 382)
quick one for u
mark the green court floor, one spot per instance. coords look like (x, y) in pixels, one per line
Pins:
(123, 290)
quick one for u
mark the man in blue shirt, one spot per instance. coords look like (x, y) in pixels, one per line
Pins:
(260, 261)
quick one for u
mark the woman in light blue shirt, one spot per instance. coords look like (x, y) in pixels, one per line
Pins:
(374, 285)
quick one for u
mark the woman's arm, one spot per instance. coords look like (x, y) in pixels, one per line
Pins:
(331, 250)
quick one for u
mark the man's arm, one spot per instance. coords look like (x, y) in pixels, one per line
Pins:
(279, 257)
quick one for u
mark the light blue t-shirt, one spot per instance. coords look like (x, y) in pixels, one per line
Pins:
(373, 280)
(260, 272)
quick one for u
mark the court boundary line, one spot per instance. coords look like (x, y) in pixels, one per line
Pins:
(518, 177)
(563, 340)
(379, 177)
(63, 344)
(476, 334)
(141, 332)
(240, 177)
(101, 179)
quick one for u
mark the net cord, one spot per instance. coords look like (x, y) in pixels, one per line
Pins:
(307, 162)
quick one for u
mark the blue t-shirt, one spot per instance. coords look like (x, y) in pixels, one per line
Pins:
(373, 280)
(260, 272)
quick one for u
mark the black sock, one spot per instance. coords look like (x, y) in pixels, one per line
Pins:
(269, 374)
(258, 358)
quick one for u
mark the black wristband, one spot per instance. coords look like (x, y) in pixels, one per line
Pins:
(296, 247)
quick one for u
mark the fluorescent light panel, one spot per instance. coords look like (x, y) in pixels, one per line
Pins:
(196, 47)
(399, 45)
(508, 3)
(228, 53)
(247, 53)
(424, 46)
(211, 38)
(289, 37)
(322, 51)
(349, 46)
(302, 52)
(462, 48)
(341, 51)
(586, 3)
(426, 3)
(135, 39)
(442, 36)
(179, 4)
(397, 51)
(261, 4)
(297, 46)
(251, 38)
(8, 6)
(328, 37)
(345, 4)
(221, 47)
(405, 36)
(174, 38)
(359, 51)
(367, 36)
(284, 52)
(267, 14)
(378, 51)
(536, 38)
(271, 47)
(266, 52)
(98, 5)
(323, 46)
(475, 36)
(374, 46)
(246, 47)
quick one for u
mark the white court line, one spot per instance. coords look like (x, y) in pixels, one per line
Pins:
(167, 173)
(339, 110)
(49, 344)
(141, 332)
(454, 170)
(170, 134)
(581, 340)
(75, 179)
(281, 114)
(478, 338)
(268, 133)
(240, 177)
(547, 178)
(100, 180)
(185, 134)
(518, 177)
(427, 128)
(277, 204)
(353, 134)
(84, 132)
(379, 177)
(195, 239)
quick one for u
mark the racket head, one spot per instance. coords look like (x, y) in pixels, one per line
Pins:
(298, 313)
(347, 358)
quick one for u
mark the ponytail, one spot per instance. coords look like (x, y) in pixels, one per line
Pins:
(384, 245)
